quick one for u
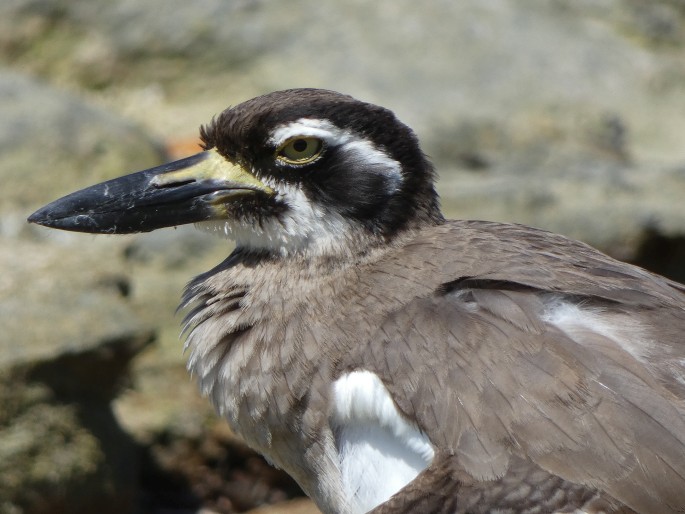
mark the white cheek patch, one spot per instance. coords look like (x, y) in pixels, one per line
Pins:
(304, 228)
(359, 152)
(379, 450)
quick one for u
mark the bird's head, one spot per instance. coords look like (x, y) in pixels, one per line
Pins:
(300, 171)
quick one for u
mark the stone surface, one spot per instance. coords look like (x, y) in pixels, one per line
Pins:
(52, 141)
(584, 96)
(566, 115)
(56, 303)
(299, 506)
(618, 212)
(68, 337)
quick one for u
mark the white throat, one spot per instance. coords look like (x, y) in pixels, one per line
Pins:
(305, 228)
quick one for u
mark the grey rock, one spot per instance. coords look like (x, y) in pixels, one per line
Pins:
(80, 309)
(106, 41)
(54, 456)
(580, 178)
(617, 212)
(576, 93)
(171, 249)
(68, 337)
(52, 142)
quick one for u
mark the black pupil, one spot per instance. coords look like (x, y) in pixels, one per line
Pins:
(299, 145)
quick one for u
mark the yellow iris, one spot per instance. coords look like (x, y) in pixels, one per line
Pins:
(300, 150)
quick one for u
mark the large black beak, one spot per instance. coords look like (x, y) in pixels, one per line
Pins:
(197, 188)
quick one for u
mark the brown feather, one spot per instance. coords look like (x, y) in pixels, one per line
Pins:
(454, 322)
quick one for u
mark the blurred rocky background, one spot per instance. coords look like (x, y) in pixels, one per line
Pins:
(566, 114)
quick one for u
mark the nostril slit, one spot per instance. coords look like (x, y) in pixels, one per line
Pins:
(163, 185)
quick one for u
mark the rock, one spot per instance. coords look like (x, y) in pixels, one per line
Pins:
(582, 96)
(297, 506)
(213, 470)
(576, 175)
(68, 338)
(52, 143)
(57, 303)
(171, 249)
(100, 42)
(662, 254)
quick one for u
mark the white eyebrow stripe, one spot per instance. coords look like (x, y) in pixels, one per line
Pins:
(357, 149)
(363, 150)
(310, 127)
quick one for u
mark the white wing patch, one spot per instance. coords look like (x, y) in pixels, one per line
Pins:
(625, 331)
(379, 450)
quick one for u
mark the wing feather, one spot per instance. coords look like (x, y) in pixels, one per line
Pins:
(597, 401)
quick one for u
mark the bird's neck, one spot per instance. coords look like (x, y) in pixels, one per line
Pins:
(315, 236)
(253, 354)
(259, 345)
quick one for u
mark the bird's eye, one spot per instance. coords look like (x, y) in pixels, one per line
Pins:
(300, 150)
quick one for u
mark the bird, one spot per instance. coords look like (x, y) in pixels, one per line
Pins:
(394, 361)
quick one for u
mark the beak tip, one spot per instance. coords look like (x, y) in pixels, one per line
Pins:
(47, 216)
(39, 217)
(75, 223)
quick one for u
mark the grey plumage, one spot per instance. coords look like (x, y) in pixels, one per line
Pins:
(546, 376)
(470, 320)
